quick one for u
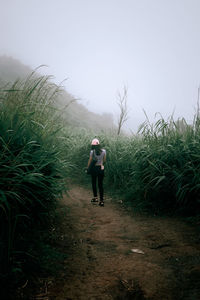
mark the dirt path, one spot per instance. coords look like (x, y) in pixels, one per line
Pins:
(101, 263)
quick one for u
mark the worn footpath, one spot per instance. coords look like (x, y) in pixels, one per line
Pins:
(116, 254)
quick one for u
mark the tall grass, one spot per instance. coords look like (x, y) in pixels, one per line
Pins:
(158, 169)
(32, 167)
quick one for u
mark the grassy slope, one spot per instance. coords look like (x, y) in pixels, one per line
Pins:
(76, 115)
(34, 146)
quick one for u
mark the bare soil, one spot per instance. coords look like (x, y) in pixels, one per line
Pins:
(103, 262)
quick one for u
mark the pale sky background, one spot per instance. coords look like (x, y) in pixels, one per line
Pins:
(151, 46)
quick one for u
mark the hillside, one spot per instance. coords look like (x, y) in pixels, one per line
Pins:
(12, 69)
(76, 115)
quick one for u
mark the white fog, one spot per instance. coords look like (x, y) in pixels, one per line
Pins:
(150, 46)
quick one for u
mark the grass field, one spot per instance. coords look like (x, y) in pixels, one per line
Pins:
(157, 170)
(32, 170)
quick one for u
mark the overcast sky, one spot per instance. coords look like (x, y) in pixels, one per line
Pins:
(151, 46)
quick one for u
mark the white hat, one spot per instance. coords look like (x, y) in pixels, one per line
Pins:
(95, 142)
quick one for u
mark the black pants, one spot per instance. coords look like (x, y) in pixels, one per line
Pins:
(98, 174)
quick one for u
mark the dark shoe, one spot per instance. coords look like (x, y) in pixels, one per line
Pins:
(101, 203)
(95, 199)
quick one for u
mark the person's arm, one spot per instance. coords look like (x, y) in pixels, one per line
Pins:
(89, 161)
(103, 161)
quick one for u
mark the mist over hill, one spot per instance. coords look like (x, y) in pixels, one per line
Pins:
(12, 69)
(76, 114)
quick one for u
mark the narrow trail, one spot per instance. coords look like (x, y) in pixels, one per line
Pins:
(101, 263)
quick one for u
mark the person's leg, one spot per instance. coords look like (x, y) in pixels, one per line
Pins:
(94, 185)
(100, 185)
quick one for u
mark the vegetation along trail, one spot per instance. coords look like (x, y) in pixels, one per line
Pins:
(117, 254)
(73, 249)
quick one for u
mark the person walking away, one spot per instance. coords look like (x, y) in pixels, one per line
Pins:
(98, 154)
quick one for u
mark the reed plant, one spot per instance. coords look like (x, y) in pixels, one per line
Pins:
(33, 168)
(158, 169)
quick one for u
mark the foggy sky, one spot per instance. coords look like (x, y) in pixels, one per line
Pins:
(151, 46)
